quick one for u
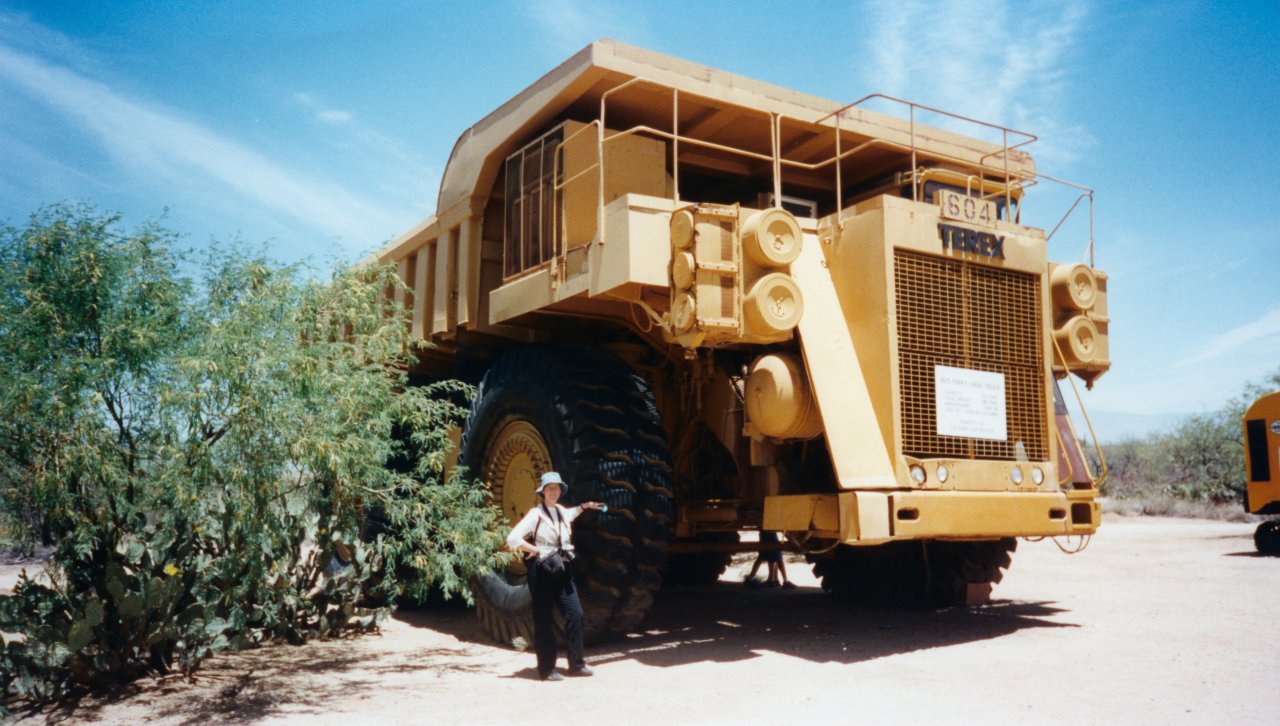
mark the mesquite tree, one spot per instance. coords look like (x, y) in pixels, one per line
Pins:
(203, 453)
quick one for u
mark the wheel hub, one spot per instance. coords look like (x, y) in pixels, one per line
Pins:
(517, 460)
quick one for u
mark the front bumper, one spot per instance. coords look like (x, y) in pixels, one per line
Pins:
(870, 517)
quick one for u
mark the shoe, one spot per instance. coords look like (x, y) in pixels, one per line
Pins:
(788, 585)
(771, 584)
(554, 676)
(583, 671)
(751, 583)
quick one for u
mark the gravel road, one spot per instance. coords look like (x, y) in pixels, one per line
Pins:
(1159, 621)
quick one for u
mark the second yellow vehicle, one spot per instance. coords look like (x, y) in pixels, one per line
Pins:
(1262, 465)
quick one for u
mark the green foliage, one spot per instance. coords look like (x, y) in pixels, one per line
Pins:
(203, 453)
(1200, 460)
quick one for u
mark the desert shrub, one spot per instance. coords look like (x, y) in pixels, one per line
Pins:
(202, 453)
(1201, 460)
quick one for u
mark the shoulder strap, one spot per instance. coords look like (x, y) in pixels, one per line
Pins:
(556, 521)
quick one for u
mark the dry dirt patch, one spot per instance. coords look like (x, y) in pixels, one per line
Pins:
(1159, 621)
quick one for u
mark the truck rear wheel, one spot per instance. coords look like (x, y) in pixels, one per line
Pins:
(587, 415)
(913, 574)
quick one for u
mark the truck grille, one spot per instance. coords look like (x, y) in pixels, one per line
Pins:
(964, 315)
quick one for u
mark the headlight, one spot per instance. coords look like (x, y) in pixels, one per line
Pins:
(1016, 475)
(943, 472)
(918, 474)
(1037, 475)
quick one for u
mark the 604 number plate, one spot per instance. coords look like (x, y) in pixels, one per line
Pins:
(971, 210)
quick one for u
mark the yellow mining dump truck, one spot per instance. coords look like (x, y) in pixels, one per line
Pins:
(1262, 464)
(721, 306)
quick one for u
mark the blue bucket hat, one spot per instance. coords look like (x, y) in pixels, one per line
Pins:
(552, 477)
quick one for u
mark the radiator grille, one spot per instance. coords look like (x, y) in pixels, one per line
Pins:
(964, 315)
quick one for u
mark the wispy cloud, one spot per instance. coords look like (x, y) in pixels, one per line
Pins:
(1000, 61)
(400, 171)
(158, 144)
(322, 113)
(334, 116)
(1264, 329)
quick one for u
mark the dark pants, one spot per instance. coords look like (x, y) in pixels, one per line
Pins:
(547, 593)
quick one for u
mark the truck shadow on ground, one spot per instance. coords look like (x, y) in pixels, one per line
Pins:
(724, 622)
(721, 622)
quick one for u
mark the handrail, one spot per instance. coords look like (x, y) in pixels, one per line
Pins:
(1102, 459)
(1086, 191)
(775, 142)
(1030, 137)
(562, 232)
(1071, 469)
(1014, 179)
(604, 108)
(695, 142)
(675, 145)
(1003, 152)
(1068, 214)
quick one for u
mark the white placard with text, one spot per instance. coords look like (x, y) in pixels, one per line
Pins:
(970, 403)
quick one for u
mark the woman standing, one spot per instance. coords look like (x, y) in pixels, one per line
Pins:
(549, 526)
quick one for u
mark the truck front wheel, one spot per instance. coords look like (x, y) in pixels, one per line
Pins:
(924, 573)
(700, 568)
(1267, 537)
(587, 415)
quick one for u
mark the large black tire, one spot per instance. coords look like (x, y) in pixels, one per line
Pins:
(700, 568)
(600, 428)
(1267, 538)
(913, 574)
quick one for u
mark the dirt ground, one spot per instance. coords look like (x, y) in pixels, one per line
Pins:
(1159, 621)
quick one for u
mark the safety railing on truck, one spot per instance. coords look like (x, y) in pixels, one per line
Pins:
(994, 163)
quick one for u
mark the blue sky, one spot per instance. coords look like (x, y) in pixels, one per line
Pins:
(321, 129)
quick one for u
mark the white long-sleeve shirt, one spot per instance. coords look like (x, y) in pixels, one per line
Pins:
(547, 523)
